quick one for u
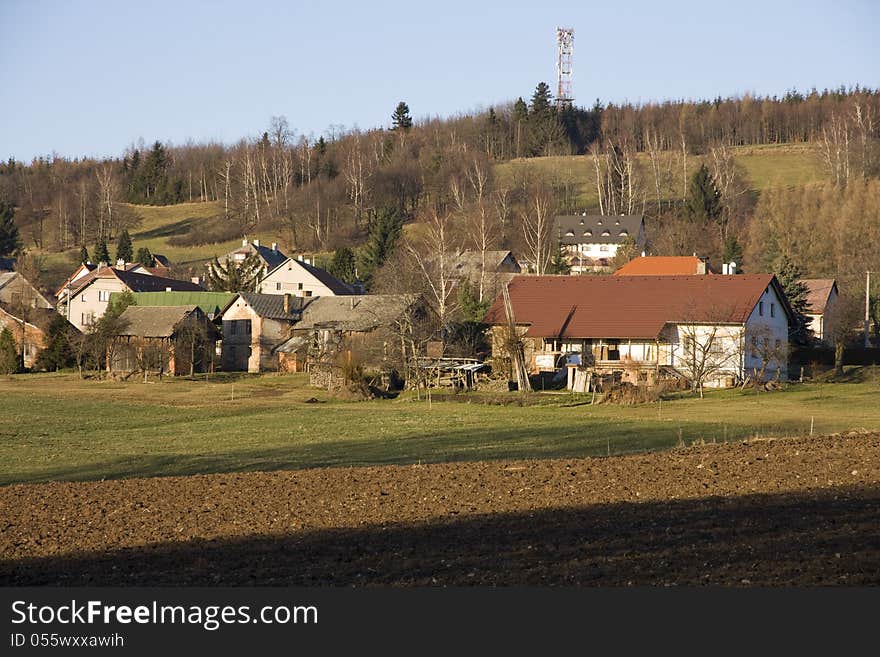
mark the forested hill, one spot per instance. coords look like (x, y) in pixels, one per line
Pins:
(493, 176)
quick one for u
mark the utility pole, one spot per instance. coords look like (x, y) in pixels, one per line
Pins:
(867, 309)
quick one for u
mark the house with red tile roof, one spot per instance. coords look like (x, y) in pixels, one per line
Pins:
(665, 266)
(822, 296)
(719, 329)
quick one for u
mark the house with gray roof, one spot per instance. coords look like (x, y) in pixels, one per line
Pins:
(369, 327)
(590, 241)
(88, 297)
(301, 278)
(165, 339)
(253, 324)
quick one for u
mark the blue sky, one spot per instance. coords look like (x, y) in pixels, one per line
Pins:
(89, 78)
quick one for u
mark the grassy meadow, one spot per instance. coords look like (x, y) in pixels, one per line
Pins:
(765, 167)
(57, 427)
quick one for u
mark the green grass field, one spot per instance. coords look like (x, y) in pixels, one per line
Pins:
(58, 427)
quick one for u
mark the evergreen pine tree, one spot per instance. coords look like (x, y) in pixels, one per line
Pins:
(144, 257)
(101, 252)
(703, 202)
(84, 254)
(541, 100)
(401, 120)
(789, 274)
(9, 238)
(124, 249)
(232, 277)
(559, 263)
(58, 353)
(732, 252)
(384, 233)
(9, 358)
(543, 121)
(472, 309)
(343, 266)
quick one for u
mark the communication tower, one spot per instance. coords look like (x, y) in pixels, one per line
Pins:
(565, 51)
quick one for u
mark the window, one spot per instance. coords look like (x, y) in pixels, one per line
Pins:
(772, 310)
(299, 286)
(754, 347)
(247, 326)
(603, 248)
(761, 308)
(83, 298)
(88, 318)
(103, 295)
(232, 327)
(278, 286)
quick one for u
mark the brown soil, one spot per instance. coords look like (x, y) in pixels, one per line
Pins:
(792, 511)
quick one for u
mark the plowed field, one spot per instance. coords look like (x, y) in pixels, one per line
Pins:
(773, 512)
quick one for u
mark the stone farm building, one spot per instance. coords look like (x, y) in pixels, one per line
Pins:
(169, 340)
(718, 329)
(377, 328)
(253, 324)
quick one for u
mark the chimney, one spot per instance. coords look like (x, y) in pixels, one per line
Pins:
(168, 289)
(120, 262)
(299, 257)
(644, 253)
(724, 269)
(701, 266)
(286, 304)
(307, 261)
(196, 280)
(731, 268)
(274, 246)
(256, 242)
(244, 242)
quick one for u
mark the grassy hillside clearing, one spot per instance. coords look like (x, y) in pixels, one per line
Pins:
(765, 167)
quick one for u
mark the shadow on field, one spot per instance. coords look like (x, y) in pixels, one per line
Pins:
(827, 537)
(563, 440)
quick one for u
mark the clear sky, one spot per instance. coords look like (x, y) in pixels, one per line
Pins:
(91, 77)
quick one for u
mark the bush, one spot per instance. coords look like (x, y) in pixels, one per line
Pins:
(9, 360)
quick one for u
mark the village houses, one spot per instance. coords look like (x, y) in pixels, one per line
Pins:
(86, 298)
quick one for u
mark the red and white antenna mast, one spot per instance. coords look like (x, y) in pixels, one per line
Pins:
(565, 51)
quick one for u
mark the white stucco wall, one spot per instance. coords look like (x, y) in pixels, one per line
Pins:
(291, 278)
(93, 300)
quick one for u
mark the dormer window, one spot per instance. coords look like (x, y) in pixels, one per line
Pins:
(617, 222)
(606, 233)
(599, 223)
(624, 233)
(582, 222)
(569, 233)
(588, 233)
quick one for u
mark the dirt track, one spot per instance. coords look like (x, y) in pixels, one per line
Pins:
(793, 511)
